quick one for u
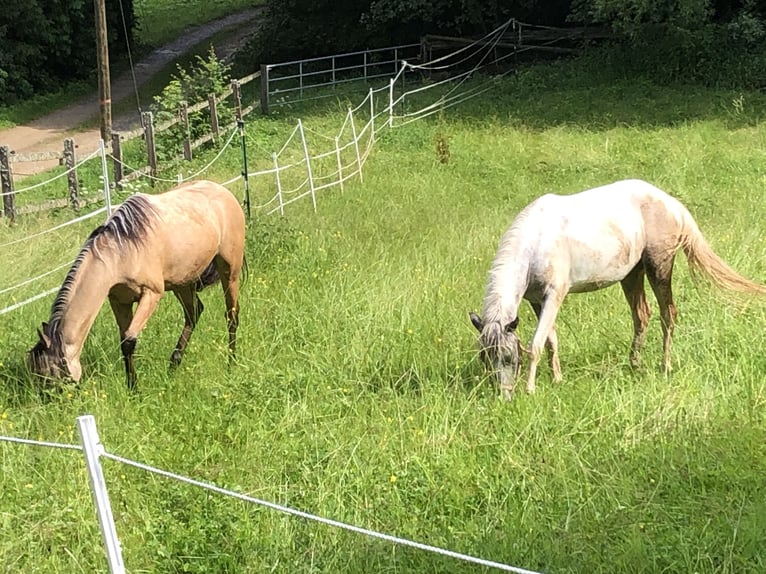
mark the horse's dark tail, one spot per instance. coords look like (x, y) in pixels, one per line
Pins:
(208, 277)
(705, 262)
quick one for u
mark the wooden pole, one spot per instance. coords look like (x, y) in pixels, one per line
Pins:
(6, 183)
(148, 120)
(213, 105)
(102, 58)
(237, 99)
(70, 161)
(184, 111)
(264, 89)
(117, 157)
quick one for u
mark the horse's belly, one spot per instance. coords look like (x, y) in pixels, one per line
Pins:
(594, 270)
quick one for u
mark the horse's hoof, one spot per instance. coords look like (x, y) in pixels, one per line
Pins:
(530, 390)
(175, 358)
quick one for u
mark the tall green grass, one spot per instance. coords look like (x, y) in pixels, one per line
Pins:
(357, 393)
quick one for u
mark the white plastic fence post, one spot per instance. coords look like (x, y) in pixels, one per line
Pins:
(279, 185)
(308, 165)
(372, 117)
(356, 145)
(105, 175)
(340, 165)
(93, 448)
(391, 103)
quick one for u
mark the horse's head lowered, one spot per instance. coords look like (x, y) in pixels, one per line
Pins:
(47, 358)
(500, 349)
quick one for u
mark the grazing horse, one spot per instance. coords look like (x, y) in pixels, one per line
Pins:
(181, 241)
(584, 242)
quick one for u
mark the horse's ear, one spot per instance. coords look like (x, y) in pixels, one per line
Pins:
(476, 320)
(511, 327)
(43, 337)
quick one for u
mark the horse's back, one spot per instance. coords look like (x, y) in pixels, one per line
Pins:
(595, 237)
(201, 220)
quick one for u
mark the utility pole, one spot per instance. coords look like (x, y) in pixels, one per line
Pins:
(104, 87)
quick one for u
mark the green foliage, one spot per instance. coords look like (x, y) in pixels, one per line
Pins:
(45, 43)
(631, 17)
(301, 28)
(193, 85)
(691, 41)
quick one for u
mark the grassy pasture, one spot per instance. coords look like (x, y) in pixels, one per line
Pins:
(358, 396)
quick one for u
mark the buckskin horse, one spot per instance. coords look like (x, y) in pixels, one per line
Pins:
(181, 241)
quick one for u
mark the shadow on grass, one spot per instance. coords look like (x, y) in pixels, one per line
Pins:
(574, 93)
(546, 97)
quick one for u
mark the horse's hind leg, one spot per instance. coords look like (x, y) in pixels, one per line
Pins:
(633, 288)
(552, 344)
(229, 274)
(660, 273)
(192, 307)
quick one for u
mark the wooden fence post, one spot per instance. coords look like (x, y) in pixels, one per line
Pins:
(151, 151)
(184, 111)
(117, 157)
(235, 89)
(264, 89)
(6, 183)
(70, 161)
(213, 104)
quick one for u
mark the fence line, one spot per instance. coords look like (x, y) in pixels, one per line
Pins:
(188, 177)
(361, 141)
(37, 278)
(32, 299)
(31, 442)
(55, 228)
(93, 449)
(53, 178)
(514, 40)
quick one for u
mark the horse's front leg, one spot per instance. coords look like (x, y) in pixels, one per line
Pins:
(192, 307)
(147, 304)
(545, 323)
(123, 314)
(552, 344)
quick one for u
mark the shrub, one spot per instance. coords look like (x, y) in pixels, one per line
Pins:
(204, 77)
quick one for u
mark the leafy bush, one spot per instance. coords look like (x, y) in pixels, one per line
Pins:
(205, 77)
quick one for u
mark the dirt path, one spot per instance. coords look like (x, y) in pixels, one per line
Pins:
(48, 132)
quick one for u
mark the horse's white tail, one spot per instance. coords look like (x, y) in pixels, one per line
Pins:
(704, 261)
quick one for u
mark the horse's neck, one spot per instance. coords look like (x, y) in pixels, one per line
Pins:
(507, 284)
(90, 287)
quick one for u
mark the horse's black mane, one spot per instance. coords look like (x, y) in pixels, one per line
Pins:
(128, 226)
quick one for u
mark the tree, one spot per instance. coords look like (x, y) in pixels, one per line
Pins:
(46, 42)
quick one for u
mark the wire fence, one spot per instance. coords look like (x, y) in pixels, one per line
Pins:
(93, 449)
(294, 172)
